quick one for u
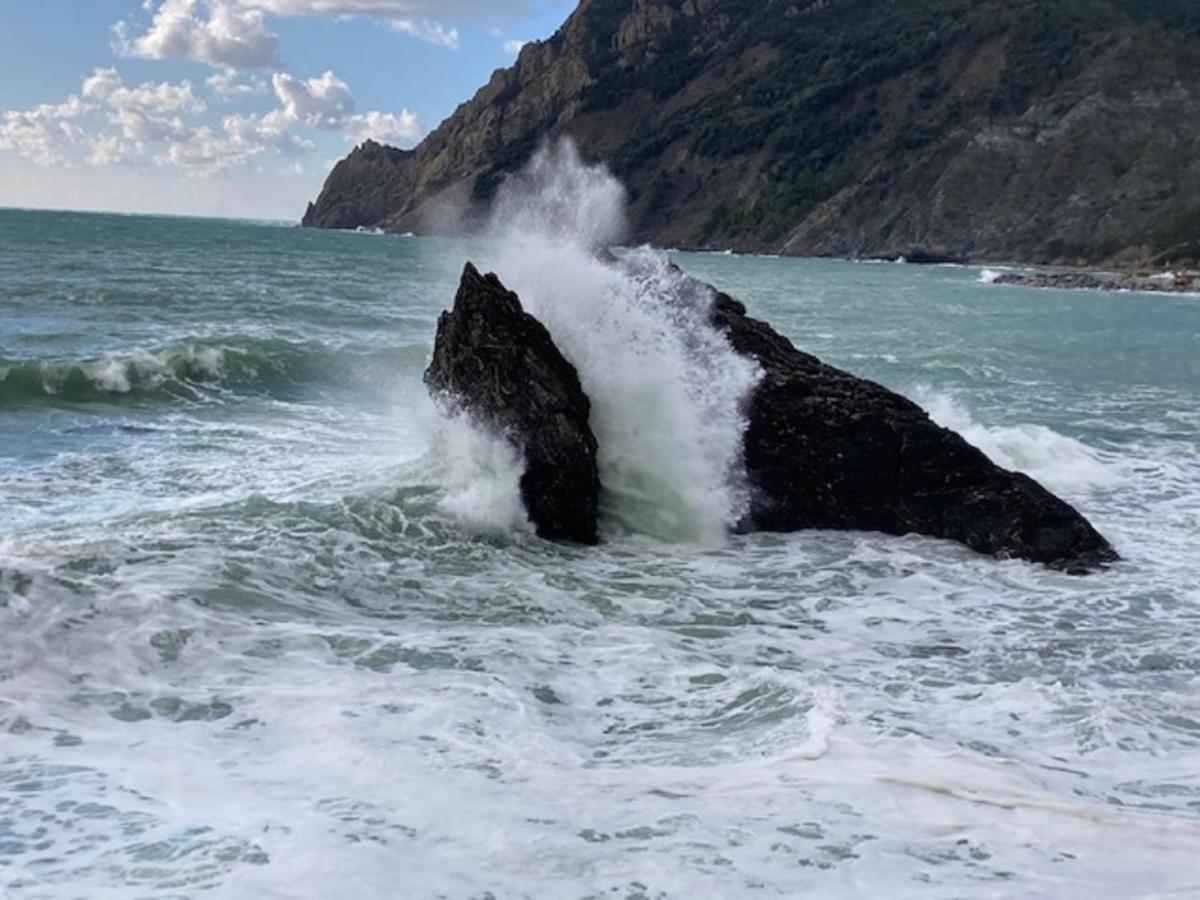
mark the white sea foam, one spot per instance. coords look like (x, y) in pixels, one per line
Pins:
(665, 386)
(482, 474)
(989, 276)
(120, 373)
(242, 654)
(1059, 462)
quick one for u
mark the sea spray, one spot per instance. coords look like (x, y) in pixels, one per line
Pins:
(482, 474)
(1061, 463)
(667, 391)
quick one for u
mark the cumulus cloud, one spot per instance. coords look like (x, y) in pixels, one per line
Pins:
(225, 34)
(147, 112)
(324, 102)
(318, 102)
(112, 123)
(111, 150)
(232, 35)
(428, 31)
(45, 133)
(514, 46)
(226, 86)
(401, 128)
(396, 9)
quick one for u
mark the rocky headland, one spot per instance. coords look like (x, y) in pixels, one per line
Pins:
(1061, 132)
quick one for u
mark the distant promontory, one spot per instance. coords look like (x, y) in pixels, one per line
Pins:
(1039, 131)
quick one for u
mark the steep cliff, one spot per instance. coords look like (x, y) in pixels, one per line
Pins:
(1039, 130)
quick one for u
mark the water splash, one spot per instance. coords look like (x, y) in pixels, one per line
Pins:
(667, 391)
(1061, 463)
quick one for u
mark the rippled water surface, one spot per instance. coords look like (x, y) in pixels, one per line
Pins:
(256, 640)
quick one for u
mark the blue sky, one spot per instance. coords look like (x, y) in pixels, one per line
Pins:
(231, 107)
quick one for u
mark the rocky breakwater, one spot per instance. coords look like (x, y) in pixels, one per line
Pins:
(823, 449)
(497, 364)
(1179, 283)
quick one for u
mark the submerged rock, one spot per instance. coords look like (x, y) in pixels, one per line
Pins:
(498, 364)
(825, 449)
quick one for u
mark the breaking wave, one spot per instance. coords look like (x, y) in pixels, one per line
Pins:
(666, 389)
(194, 370)
(1061, 463)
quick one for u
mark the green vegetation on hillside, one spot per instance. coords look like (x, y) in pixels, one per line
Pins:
(851, 84)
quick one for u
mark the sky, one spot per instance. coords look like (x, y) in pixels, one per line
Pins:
(231, 107)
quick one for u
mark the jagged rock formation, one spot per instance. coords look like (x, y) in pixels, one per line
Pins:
(497, 363)
(1040, 130)
(825, 449)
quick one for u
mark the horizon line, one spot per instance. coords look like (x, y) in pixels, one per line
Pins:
(148, 215)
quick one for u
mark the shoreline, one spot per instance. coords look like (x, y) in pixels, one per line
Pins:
(1179, 283)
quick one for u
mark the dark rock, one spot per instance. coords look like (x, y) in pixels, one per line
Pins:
(498, 364)
(919, 256)
(825, 449)
(361, 189)
(1182, 283)
(1076, 280)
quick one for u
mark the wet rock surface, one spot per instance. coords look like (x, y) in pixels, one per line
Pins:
(1182, 283)
(825, 449)
(498, 364)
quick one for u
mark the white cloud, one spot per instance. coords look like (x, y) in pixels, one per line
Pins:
(204, 151)
(225, 34)
(319, 102)
(45, 133)
(146, 113)
(429, 31)
(111, 150)
(514, 46)
(401, 128)
(232, 35)
(395, 9)
(101, 83)
(226, 86)
(113, 123)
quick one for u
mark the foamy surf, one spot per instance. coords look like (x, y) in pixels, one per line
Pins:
(1061, 463)
(266, 647)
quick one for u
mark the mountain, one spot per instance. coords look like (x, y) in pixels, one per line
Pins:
(1048, 131)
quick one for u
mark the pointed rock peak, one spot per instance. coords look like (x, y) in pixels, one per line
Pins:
(498, 364)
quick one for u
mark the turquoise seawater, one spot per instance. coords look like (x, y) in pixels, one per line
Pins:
(269, 628)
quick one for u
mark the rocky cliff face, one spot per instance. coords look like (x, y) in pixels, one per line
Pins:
(1043, 130)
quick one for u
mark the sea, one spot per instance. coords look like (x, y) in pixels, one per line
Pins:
(271, 626)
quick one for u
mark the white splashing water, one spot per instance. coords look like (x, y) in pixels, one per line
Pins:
(666, 388)
(482, 473)
(1061, 463)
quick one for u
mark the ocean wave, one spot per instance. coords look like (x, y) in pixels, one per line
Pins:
(1059, 462)
(197, 370)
